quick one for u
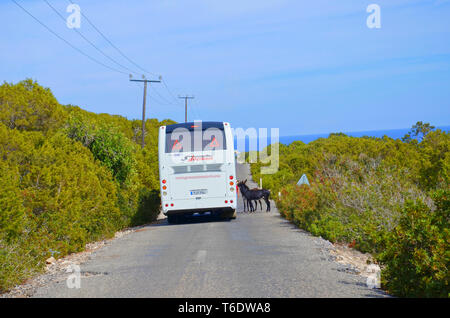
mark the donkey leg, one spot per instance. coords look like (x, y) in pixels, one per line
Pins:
(268, 203)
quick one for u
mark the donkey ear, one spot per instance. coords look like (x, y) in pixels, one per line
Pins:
(245, 181)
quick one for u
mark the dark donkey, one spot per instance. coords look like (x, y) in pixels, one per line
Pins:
(247, 202)
(254, 194)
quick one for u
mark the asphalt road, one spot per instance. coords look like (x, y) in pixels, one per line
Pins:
(256, 255)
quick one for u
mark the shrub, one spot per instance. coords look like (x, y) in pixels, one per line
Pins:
(350, 200)
(68, 177)
(417, 257)
(12, 212)
(298, 203)
(29, 106)
(16, 264)
(54, 196)
(106, 143)
(114, 151)
(361, 193)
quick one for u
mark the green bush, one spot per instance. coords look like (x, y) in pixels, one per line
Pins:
(107, 144)
(297, 204)
(68, 177)
(29, 106)
(114, 151)
(17, 263)
(417, 256)
(359, 193)
(12, 211)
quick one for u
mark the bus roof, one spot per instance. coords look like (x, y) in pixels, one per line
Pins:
(192, 125)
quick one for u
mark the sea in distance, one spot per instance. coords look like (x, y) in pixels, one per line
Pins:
(286, 140)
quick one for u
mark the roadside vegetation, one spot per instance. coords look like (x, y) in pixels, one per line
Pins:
(379, 195)
(67, 177)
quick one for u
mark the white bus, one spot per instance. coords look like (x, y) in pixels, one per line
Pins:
(197, 170)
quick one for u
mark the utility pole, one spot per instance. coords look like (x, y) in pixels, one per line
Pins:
(186, 97)
(143, 104)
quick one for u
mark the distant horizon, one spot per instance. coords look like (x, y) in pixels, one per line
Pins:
(307, 138)
(446, 127)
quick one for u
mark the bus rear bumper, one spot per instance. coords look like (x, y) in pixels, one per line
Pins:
(191, 206)
(218, 211)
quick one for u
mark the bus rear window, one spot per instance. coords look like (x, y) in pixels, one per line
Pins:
(183, 139)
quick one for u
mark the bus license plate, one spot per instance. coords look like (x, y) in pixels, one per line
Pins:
(199, 192)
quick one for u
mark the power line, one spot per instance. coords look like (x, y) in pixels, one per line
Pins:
(170, 92)
(94, 59)
(128, 58)
(87, 40)
(175, 99)
(162, 101)
(158, 101)
(67, 42)
(114, 46)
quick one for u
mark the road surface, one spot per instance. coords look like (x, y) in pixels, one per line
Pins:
(256, 255)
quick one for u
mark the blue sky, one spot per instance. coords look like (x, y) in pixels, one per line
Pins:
(306, 67)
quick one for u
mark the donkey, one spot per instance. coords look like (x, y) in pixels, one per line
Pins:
(255, 194)
(260, 193)
(247, 202)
